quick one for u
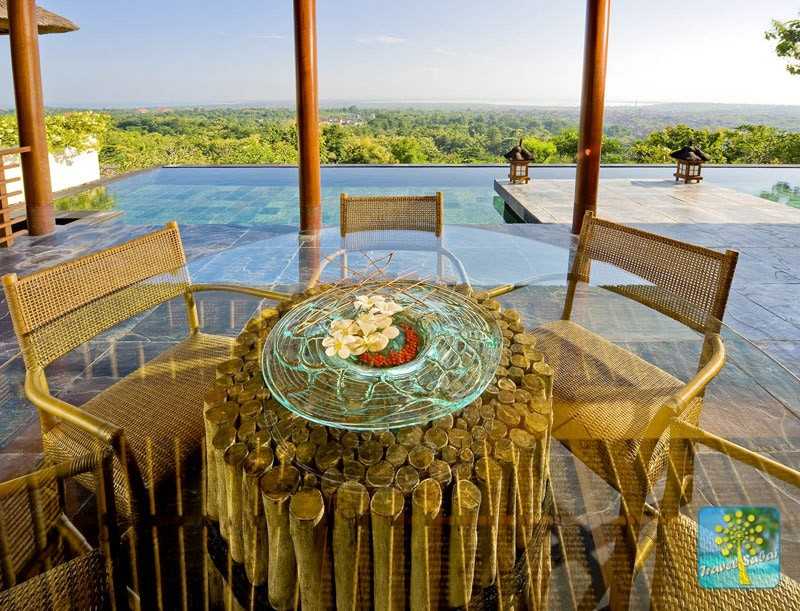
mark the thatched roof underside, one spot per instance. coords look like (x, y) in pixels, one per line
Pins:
(49, 23)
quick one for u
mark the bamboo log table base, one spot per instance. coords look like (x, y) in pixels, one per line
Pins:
(450, 514)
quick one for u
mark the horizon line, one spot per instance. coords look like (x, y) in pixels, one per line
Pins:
(337, 103)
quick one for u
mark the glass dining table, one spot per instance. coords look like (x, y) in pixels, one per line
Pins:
(717, 514)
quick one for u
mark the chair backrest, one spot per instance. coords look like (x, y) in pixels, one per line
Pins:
(55, 310)
(385, 212)
(44, 561)
(686, 282)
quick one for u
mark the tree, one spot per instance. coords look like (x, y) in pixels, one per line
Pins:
(543, 151)
(742, 535)
(613, 151)
(407, 149)
(566, 142)
(787, 35)
(365, 149)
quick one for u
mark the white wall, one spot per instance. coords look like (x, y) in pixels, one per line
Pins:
(67, 169)
(70, 169)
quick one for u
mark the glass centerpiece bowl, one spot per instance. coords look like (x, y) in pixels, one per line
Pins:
(448, 346)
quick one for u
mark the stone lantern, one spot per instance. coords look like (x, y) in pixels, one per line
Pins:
(690, 161)
(519, 158)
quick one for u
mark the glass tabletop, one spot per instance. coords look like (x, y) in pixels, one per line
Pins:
(753, 402)
(748, 412)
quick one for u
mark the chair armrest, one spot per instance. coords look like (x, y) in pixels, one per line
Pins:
(37, 392)
(246, 290)
(701, 379)
(677, 403)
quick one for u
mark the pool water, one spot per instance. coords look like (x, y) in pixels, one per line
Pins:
(269, 195)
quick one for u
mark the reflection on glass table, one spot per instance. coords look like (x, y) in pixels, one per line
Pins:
(737, 453)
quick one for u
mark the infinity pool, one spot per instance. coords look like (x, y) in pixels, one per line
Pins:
(267, 195)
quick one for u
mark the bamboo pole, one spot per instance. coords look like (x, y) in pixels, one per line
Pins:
(234, 458)
(277, 486)
(351, 547)
(421, 458)
(386, 509)
(381, 474)
(254, 523)
(490, 479)
(406, 479)
(426, 545)
(309, 537)
(215, 417)
(440, 472)
(538, 425)
(224, 438)
(463, 542)
(525, 445)
(506, 457)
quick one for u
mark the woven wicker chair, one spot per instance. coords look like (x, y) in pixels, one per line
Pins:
(46, 561)
(611, 408)
(153, 417)
(675, 584)
(368, 223)
(382, 212)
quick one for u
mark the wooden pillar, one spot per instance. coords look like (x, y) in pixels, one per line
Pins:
(24, 39)
(305, 60)
(595, 54)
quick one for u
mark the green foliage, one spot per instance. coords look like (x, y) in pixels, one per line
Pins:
(784, 193)
(365, 149)
(543, 151)
(130, 140)
(81, 131)
(566, 143)
(94, 199)
(613, 151)
(787, 35)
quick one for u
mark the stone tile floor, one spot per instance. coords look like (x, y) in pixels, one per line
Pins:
(764, 305)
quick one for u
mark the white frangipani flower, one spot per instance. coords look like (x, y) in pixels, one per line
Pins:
(343, 325)
(372, 329)
(366, 323)
(358, 345)
(367, 302)
(376, 341)
(380, 321)
(391, 332)
(339, 344)
(387, 308)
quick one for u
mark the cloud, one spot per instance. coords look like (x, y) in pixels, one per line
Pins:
(381, 39)
(443, 51)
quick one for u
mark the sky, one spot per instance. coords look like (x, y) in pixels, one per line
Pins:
(178, 52)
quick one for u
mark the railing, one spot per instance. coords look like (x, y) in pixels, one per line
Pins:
(10, 187)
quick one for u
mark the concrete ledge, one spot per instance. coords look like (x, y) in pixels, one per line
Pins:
(634, 201)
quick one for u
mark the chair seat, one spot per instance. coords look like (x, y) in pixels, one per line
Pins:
(602, 392)
(158, 406)
(675, 584)
(79, 583)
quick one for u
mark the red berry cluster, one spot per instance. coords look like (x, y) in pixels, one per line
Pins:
(398, 357)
